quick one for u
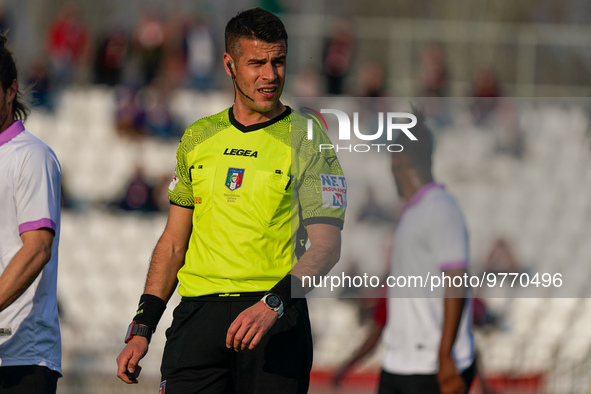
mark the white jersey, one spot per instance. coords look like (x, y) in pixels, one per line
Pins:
(30, 178)
(431, 237)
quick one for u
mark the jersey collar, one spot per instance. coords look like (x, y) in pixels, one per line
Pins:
(11, 131)
(418, 196)
(256, 126)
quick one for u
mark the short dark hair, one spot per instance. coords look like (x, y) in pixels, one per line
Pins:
(420, 152)
(255, 23)
(9, 73)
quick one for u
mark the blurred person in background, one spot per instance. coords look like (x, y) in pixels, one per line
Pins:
(110, 58)
(174, 63)
(138, 194)
(434, 84)
(148, 44)
(5, 19)
(486, 90)
(159, 118)
(493, 112)
(371, 80)
(30, 177)
(41, 83)
(428, 338)
(434, 73)
(130, 114)
(509, 134)
(147, 111)
(337, 58)
(228, 238)
(200, 54)
(68, 44)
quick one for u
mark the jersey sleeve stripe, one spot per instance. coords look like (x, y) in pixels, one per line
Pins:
(36, 225)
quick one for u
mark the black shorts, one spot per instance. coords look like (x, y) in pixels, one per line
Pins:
(196, 359)
(27, 379)
(424, 384)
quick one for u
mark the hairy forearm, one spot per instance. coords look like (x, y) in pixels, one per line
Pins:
(324, 252)
(23, 269)
(166, 261)
(315, 261)
(169, 254)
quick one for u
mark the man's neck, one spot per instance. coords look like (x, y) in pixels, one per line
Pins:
(7, 123)
(413, 184)
(247, 116)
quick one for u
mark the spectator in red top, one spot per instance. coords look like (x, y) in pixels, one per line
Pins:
(68, 43)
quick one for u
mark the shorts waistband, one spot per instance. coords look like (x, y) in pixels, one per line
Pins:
(228, 297)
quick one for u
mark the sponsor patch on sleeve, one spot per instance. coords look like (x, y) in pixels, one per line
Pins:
(175, 180)
(334, 191)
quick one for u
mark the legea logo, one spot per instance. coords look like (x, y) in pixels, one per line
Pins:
(390, 118)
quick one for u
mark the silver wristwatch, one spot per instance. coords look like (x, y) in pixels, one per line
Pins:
(274, 302)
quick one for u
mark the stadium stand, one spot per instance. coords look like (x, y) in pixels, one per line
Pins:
(539, 202)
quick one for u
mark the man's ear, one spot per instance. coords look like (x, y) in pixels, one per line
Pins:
(228, 63)
(11, 91)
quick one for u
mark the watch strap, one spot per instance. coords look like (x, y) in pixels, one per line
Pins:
(138, 329)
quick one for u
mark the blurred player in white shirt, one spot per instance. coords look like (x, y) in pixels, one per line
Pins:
(30, 178)
(427, 334)
(428, 338)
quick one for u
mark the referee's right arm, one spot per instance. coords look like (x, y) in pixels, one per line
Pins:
(168, 257)
(169, 254)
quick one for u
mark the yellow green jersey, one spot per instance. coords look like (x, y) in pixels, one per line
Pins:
(253, 190)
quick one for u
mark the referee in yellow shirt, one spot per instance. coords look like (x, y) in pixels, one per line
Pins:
(247, 195)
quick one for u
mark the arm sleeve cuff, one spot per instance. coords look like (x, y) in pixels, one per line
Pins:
(182, 206)
(324, 220)
(36, 225)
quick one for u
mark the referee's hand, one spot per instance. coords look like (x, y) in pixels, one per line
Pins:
(128, 369)
(250, 326)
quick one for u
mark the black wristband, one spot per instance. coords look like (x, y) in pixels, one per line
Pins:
(149, 311)
(289, 289)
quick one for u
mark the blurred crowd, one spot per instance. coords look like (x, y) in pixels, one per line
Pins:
(144, 65)
(146, 61)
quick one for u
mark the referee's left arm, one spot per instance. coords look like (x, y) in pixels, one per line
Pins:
(323, 253)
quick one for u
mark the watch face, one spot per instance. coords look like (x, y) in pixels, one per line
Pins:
(273, 301)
